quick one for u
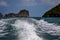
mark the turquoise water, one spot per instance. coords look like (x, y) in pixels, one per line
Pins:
(30, 29)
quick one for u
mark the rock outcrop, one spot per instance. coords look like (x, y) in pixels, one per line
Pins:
(10, 15)
(54, 12)
(1, 15)
(22, 13)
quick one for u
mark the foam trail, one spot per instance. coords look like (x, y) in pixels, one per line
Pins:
(26, 30)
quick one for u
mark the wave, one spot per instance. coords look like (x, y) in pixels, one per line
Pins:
(50, 28)
(2, 27)
(29, 28)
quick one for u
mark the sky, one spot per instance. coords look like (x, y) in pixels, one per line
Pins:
(36, 8)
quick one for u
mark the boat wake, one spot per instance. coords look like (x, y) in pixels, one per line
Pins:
(30, 29)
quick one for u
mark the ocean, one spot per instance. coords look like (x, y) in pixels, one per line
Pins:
(35, 28)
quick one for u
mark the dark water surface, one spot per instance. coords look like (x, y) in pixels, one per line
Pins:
(30, 29)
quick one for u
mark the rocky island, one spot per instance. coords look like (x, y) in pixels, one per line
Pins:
(22, 13)
(54, 12)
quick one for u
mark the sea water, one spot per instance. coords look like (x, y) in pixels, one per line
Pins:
(30, 29)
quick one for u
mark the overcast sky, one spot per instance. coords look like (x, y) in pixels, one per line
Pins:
(36, 8)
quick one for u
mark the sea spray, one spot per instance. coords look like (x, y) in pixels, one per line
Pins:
(26, 30)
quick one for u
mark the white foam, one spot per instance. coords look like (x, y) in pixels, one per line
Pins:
(50, 28)
(1, 23)
(26, 30)
(2, 27)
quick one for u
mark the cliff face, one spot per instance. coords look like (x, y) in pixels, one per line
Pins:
(54, 12)
(22, 13)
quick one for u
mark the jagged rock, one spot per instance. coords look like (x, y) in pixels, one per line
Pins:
(23, 13)
(54, 12)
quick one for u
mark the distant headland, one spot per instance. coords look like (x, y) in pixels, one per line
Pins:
(54, 12)
(22, 13)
